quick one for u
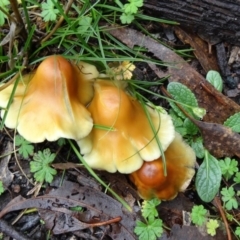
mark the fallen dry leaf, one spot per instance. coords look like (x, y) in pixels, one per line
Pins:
(192, 232)
(201, 50)
(6, 176)
(98, 209)
(219, 140)
(180, 71)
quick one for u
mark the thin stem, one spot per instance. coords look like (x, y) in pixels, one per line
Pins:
(219, 206)
(98, 178)
(14, 5)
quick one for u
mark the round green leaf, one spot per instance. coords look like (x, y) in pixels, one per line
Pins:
(215, 79)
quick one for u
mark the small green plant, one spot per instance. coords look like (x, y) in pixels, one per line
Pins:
(25, 147)
(212, 225)
(153, 226)
(236, 179)
(228, 167)
(4, 5)
(215, 79)
(229, 199)
(1, 188)
(208, 178)
(188, 101)
(49, 11)
(184, 96)
(233, 122)
(199, 215)
(130, 9)
(237, 231)
(40, 166)
(84, 24)
(61, 142)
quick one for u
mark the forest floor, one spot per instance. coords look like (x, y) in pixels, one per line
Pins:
(75, 205)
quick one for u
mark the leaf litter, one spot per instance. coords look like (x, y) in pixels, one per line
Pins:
(6, 176)
(98, 209)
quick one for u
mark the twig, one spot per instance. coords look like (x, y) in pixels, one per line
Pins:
(217, 202)
(99, 224)
(14, 5)
(59, 22)
(11, 232)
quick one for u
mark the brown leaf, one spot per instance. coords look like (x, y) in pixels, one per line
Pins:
(60, 223)
(6, 176)
(220, 141)
(201, 50)
(218, 107)
(65, 166)
(97, 206)
(192, 232)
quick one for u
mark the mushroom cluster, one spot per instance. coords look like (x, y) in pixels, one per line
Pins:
(50, 102)
(130, 140)
(114, 131)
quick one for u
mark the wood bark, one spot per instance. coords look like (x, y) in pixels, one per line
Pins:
(213, 20)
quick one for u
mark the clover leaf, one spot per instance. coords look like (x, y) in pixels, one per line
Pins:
(25, 147)
(229, 199)
(151, 230)
(212, 225)
(198, 215)
(40, 166)
(49, 12)
(228, 167)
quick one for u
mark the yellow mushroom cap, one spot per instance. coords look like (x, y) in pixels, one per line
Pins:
(132, 138)
(49, 105)
(180, 161)
(86, 74)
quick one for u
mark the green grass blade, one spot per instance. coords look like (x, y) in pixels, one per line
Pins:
(98, 178)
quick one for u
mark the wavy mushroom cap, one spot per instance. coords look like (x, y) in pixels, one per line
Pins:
(180, 161)
(131, 138)
(50, 105)
(86, 74)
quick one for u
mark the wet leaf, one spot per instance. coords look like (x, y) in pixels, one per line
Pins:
(220, 141)
(98, 208)
(6, 176)
(201, 49)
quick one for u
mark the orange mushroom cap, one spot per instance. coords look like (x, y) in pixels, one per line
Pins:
(180, 161)
(131, 140)
(50, 104)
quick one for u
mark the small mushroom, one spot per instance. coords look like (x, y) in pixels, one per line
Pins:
(180, 161)
(49, 103)
(129, 138)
